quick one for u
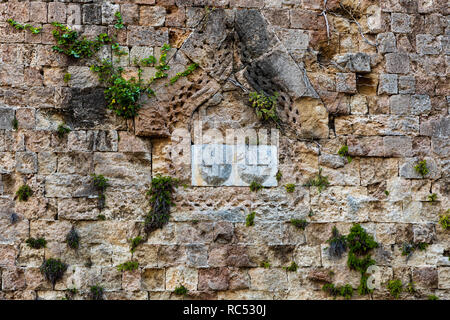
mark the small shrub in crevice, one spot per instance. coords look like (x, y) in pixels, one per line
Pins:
(290, 187)
(128, 266)
(432, 197)
(343, 153)
(250, 219)
(180, 290)
(100, 184)
(101, 217)
(36, 243)
(411, 288)
(278, 176)
(432, 297)
(421, 168)
(265, 264)
(24, 193)
(292, 267)
(15, 123)
(320, 181)
(53, 269)
(134, 242)
(255, 186)
(96, 292)
(62, 130)
(409, 248)
(70, 293)
(395, 288)
(444, 221)
(337, 244)
(161, 199)
(67, 77)
(73, 239)
(360, 243)
(299, 223)
(119, 24)
(265, 106)
(345, 291)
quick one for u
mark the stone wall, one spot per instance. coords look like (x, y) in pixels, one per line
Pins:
(375, 79)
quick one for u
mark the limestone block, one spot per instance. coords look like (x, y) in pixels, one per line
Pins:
(152, 16)
(153, 279)
(268, 279)
(406, 168)
(397, 63)
(176, 276)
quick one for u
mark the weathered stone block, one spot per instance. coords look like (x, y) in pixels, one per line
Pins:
(108, 12)
(6, 118)
(400, 23)
(386, 42)
(57, 12)
(397, 63)
(92, 14)
(26, 162)
(153, 279)
(346, 82)
(152, 16)
(388, 84)
(406, 84)
(407, 168)
(428, 44)
(146, 36)
(176, 276)
(420, 104)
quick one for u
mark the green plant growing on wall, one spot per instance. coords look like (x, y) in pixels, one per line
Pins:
(100, 184)
(180, 290)
(73, 239)
(395, 288)
(70, 293)
(15, 123)
(119, 24)
(432, 197)
(320, 181)
(185, 73)
(161, 199)
(27, 26)
(278, 176)
(24, 193)
(299, 223)
(265, 106)
(411, 287)
(250, 219)
(290, 187)
(67, 77)
(409, 248)
(292, 267)
(36, 243)
(337, 244)
(421, 168)
(432, 297)
(386, 192)
(360, 243)
(96, 292)
(62, 130)
(53, 269)
(122, 95)
(343, 153)
(101, 217)
(134, 242)
(346, 291)
(444, 220)
(265, 264)
(255, 186)
(128, 266)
